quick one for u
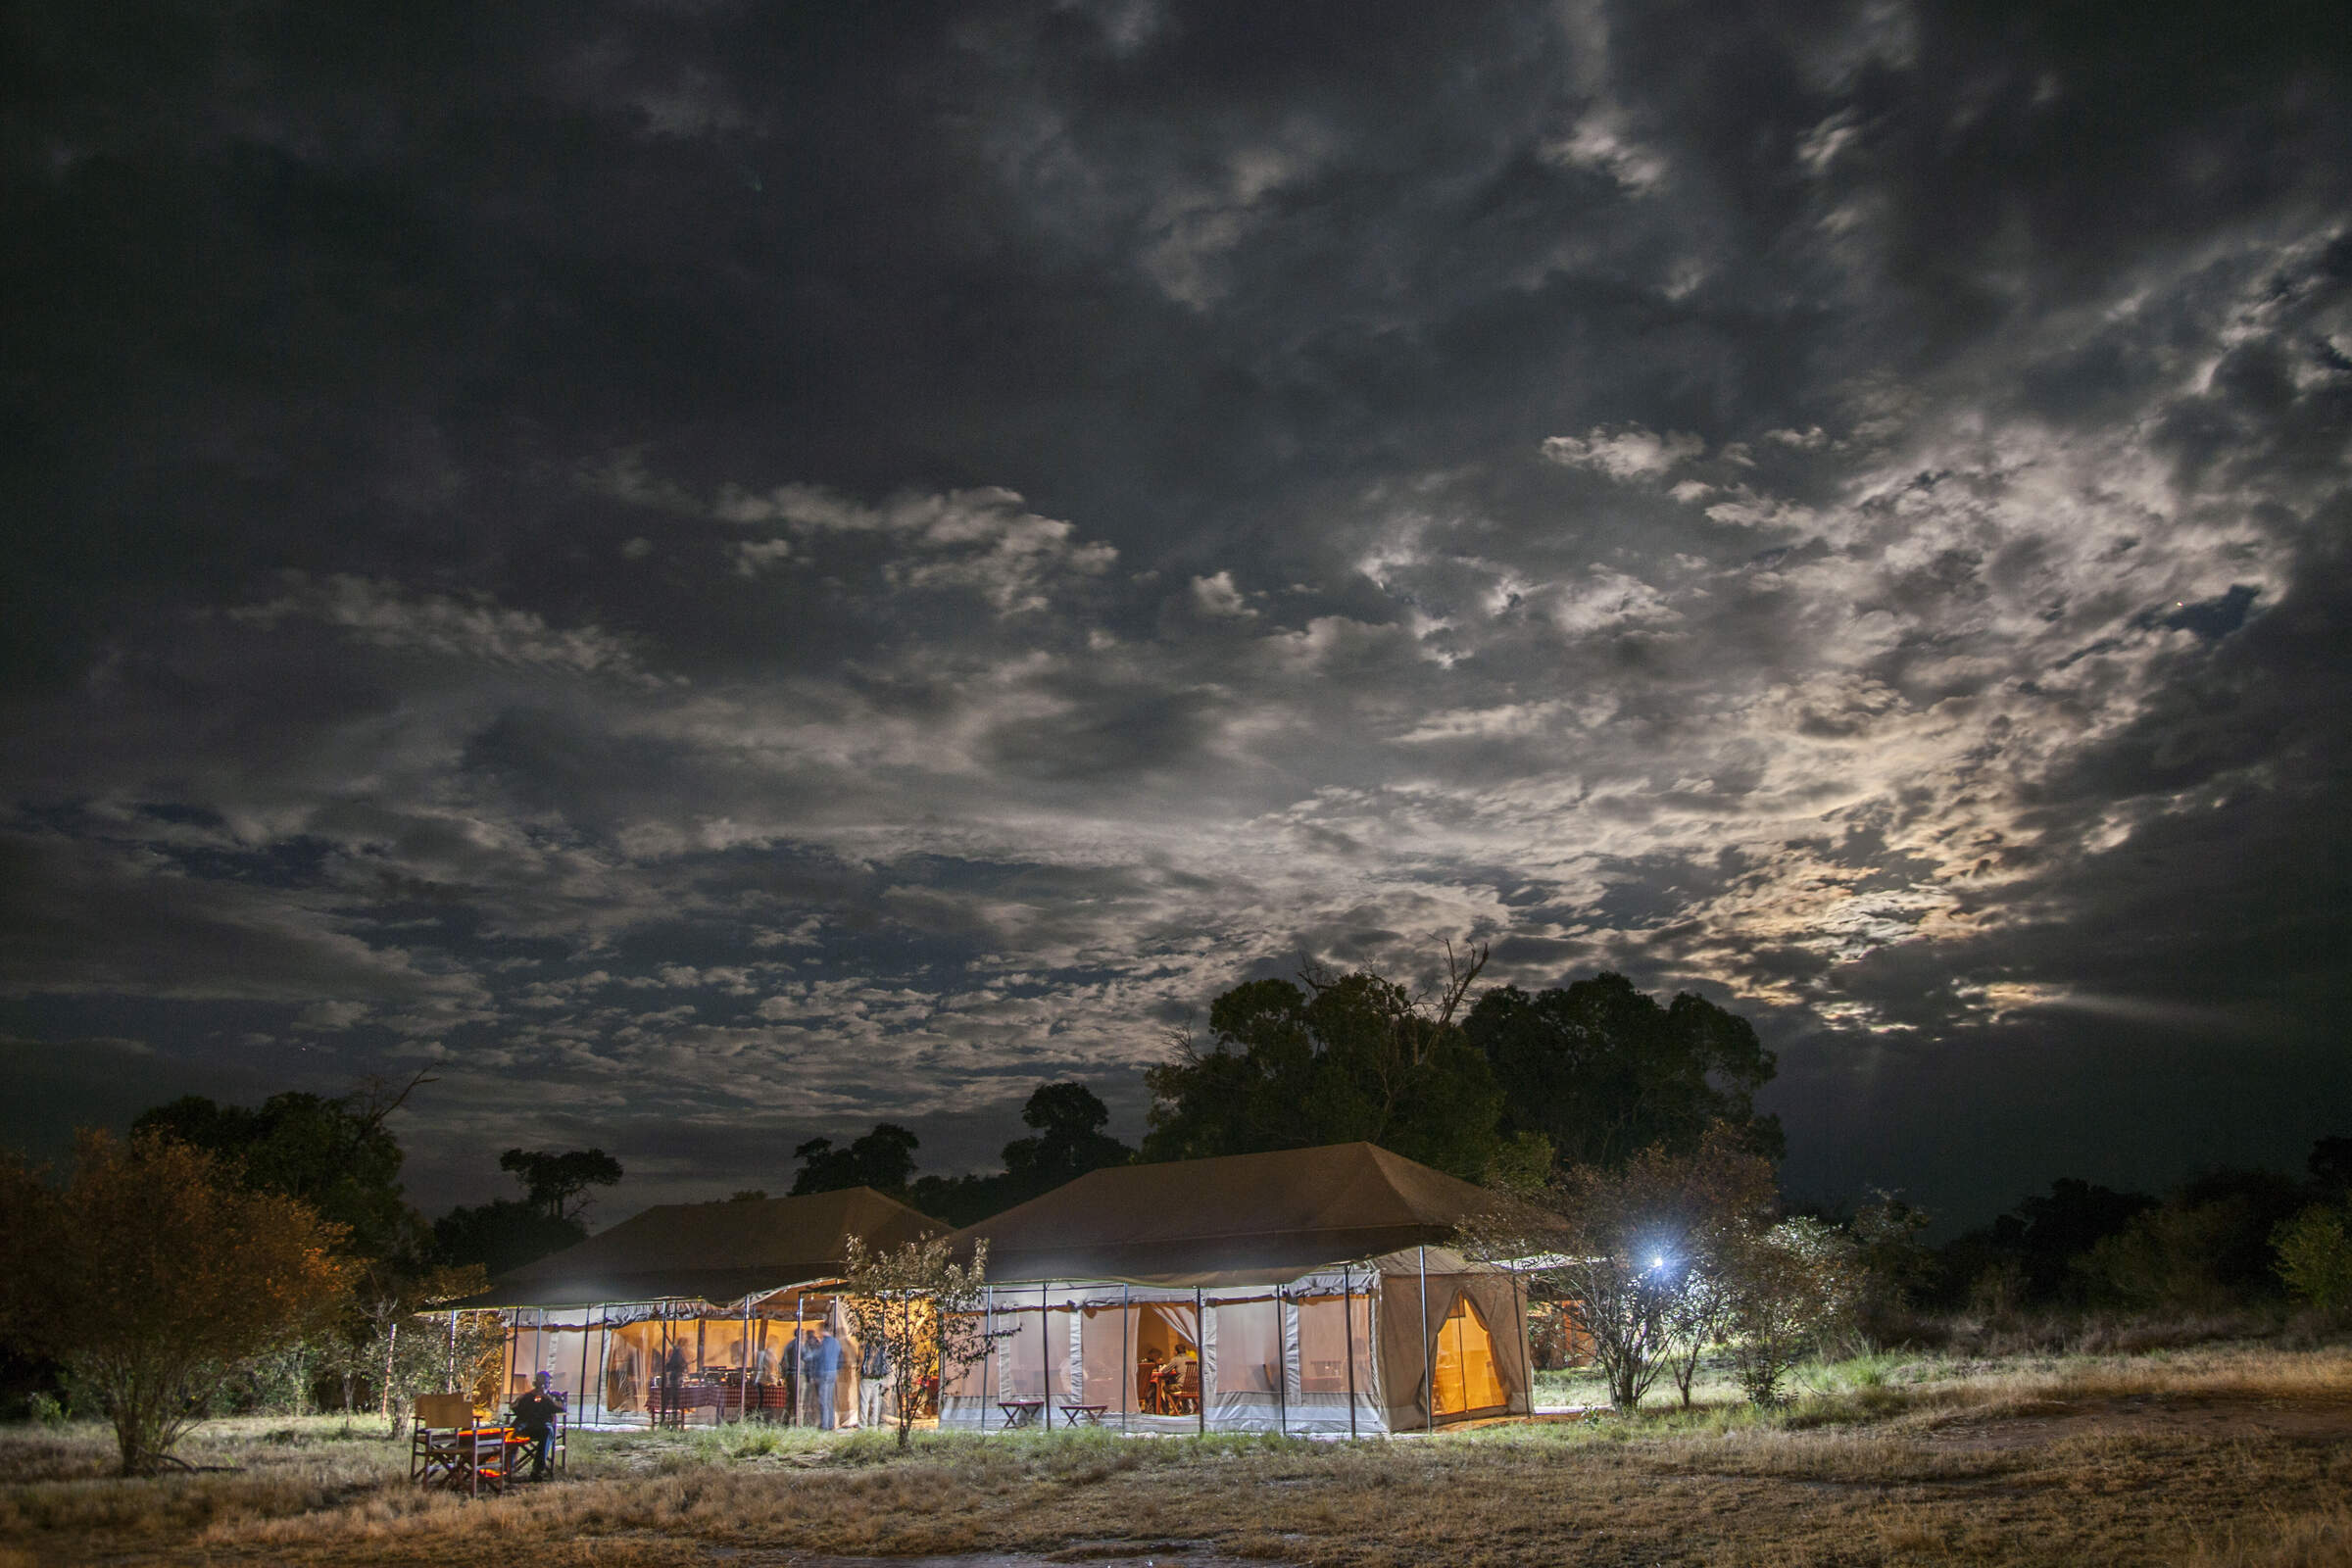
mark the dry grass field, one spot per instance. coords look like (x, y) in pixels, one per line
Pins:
(2222, 1457)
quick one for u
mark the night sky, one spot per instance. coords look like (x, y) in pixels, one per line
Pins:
(715, 572)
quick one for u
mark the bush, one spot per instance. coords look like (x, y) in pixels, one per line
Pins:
(2315, 1256)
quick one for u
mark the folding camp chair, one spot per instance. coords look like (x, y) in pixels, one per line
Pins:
(451, 1450)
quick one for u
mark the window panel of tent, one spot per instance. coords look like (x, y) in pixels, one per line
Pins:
(1249, 1348)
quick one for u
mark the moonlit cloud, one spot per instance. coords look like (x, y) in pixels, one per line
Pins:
(717, 585)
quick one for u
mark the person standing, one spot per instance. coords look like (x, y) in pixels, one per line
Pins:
(792, 1375)
(673, 1385)
(825, 1369)
(873, 1380)
(535, 1416)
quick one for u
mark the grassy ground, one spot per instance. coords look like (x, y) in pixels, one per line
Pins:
(2219, 1457)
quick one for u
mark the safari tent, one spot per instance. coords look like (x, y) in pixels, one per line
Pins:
(728, 1283)
(1303, 1290)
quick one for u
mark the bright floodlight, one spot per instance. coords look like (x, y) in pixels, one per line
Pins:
(1657, 1263)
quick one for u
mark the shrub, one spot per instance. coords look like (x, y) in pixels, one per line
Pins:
(2315, 1256)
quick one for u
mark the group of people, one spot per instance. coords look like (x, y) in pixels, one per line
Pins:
(811, 1363)
(1165, 1390)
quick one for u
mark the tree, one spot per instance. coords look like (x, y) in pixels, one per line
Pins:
(883, 1160)
(1638, 1255)
(1895, 1267)
(336, 1156)
(1350, 1057)
(2205, 1248)
(1602, 1070)
(502, 1235)
(923, 1307)
(1787, 1287)
(153, 1274)
(556, 1184)
(1070, 1142)
(387, 1298)
(2330, 1165)
(2315, 1256)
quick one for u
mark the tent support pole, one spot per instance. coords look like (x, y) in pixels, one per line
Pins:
(514, 1322)
(1282, 1368)
(1429, 1352)
(1348, 1327)
(1126, 1361)
(1200, 1358)
(450, 1382)
(743, 1402)
(992, 1359)
(1527, 1347)
(1045, 1352)
(579, 1395)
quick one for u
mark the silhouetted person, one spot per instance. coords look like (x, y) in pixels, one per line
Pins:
(873, 1380)
(673, 1384)
(826, 1371)
(535, 1416)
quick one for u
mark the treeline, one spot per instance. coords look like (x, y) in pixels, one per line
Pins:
(228, 1258)
(1510, 1092)
(2225, 1242)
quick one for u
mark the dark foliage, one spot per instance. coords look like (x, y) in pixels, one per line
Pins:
(1069, 1142)
(883, 1160)
(1357, 1060)
(1601, 1070)
(557, 1183)
(502, 1235)
(335, 1155)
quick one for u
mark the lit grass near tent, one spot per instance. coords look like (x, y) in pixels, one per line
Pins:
(2224, 1457)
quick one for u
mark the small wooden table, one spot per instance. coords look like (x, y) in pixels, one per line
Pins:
(1089, 1414)
(1021, 1412)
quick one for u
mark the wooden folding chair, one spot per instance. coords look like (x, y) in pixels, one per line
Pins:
(435, 1456)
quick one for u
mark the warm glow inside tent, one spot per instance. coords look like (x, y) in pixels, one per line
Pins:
(727, 1286)
(1305, 1290)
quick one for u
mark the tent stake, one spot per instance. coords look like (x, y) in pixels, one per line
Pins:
(1347, 1323)
(1429, 1352)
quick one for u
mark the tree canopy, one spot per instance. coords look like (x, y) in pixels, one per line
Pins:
(502, 1234)
(883, 1160)
(153, 1273)
(336, 1156)
(557, 1181)
(1351, 1057)
(1600, 1069)
(1069, 1142)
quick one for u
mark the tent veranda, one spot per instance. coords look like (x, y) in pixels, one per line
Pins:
(723, 1282)
(1302, 1290)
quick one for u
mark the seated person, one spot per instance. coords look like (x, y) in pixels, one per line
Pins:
(535, 1417)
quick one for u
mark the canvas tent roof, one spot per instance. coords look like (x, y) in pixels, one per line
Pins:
(717, 1253)
(1268, 1218)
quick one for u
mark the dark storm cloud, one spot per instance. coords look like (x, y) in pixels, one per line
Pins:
(718, 573)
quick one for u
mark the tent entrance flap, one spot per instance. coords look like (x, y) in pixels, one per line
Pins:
(1167, 1360)
(1465, 1378)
